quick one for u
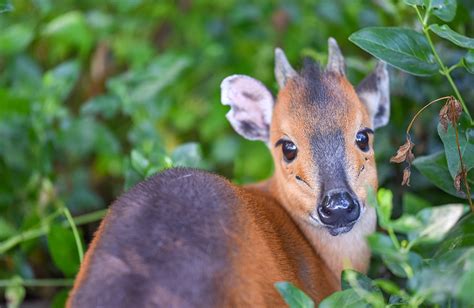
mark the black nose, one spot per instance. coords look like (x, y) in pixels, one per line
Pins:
(338, 209)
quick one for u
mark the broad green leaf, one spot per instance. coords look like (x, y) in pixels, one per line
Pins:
(187, 155)
(466, 143)
(444, 9)
(468, 61)
(446, 276)
(70, 29)
(59, 81)
(388, 286)
(437, 221)
(412, 203)
(15, 38)
(460, 236)
(413, 2)
(63, 250)
(294, 297)
(446, 32)
(406, 224)
(405, 49)
(342, 299)
(435, 168)
(59, 299)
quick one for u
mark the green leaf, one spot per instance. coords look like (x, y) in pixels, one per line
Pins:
(59, 299)
(362, 284)
(446, 276)
(437, 221)
(62, 247)
(405, 49)
(444, 9)
(460, 236)
(139, 162)
(187, 155)
(413, 2)
(5, 6)
(435, 168)
(294, 297)
(406, 224)
(446, 32)
(6, 229)
(468, 61)
(384, 210)
(412, 204)
(388, 286)
(346, 298)
(466, 143)
(15, 38)
(70, 29)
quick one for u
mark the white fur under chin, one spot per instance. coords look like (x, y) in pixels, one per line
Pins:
(348, 250)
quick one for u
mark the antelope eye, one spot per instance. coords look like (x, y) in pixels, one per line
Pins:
(289, 150)
(362, 141)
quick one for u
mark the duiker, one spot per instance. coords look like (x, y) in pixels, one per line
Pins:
(189, 238)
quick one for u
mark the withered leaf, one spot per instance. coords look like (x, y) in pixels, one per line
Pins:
(457, 181)
(406, 176)
(404, 153)
(450, 113)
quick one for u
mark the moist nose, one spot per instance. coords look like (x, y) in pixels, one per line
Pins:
(338, 209)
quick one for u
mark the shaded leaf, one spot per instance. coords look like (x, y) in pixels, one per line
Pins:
(294, 297)
(63, 250)
(413, 2)
(435, 168)
(446, 32)
(468, 61)
(444, 9)
(405, 49)
(187, 155)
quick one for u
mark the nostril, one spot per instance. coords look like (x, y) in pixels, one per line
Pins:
(326, 211)
(351, 207)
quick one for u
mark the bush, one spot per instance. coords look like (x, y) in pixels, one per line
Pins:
(95, 96)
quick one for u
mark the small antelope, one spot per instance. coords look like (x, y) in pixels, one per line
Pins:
(186, 237)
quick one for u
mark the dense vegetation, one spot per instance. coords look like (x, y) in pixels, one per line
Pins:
(97, 95)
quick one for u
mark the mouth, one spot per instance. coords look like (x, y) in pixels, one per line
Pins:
(335, 231)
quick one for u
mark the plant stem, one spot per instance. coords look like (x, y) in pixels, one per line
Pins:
(443, 69)
(37, 282)
(77, 238)
(393, 237)
(421, 110)
(44, 229)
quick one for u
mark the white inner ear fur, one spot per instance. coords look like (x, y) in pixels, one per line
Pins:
(374, 92)
(251, 106)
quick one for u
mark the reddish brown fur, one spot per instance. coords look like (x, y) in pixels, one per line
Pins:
(267, 233)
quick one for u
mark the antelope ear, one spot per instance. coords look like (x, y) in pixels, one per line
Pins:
(251, 106)
(374, 92)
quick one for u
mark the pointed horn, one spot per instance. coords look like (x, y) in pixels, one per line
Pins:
(283, 69)
(335, 59)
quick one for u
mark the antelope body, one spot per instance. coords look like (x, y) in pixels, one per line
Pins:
(189, 238)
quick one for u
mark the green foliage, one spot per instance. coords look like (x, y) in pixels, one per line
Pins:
(96, 96)
(294, 297)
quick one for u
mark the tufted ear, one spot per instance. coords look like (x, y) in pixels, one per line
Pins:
(374, 92)
(251, 106)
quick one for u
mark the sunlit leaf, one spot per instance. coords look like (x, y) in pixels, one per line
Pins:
(15, 38)
(405, 49)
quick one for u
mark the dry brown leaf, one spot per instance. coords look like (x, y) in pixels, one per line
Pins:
(404, 153)
(457, 181)
(450, 113)
(406, 176)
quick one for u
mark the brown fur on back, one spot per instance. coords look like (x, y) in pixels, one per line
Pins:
(215, 245)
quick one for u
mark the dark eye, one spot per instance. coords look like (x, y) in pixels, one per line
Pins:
(289, 150)
(362, 141)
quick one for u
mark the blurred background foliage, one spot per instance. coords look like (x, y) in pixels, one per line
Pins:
(97, 95)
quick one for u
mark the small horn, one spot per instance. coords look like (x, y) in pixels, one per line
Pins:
(283, 69)
(335, 58)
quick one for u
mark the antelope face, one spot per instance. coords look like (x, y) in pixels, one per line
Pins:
(320, 133)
